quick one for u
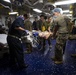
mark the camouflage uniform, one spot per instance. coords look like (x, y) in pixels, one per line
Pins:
(41, 26)
(40, 23)
(47, 25)
(62, 36)
(28, 26)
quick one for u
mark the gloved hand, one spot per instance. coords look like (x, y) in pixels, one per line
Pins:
(26, 31)
(35, 33)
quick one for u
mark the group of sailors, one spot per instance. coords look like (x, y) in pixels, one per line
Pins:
(55, 24)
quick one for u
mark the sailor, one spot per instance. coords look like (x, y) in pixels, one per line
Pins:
(15, 32)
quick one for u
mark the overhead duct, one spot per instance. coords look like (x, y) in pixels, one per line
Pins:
(48, 7)
(5, 6)
(39, 1)
(27, 1)
(11, 10)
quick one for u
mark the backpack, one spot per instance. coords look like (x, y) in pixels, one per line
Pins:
(69, 24)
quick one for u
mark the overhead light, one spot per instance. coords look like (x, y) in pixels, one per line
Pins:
(40, 1)
(65, 2)
(68, 14)
(37, 10)
(8, 1)
(13, 13)
(66, 11)
(47, 13)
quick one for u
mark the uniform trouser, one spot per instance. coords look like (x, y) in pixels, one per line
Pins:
(15, 51)
(73, 46)
(44, 40)
(60, 46)
(29, 46)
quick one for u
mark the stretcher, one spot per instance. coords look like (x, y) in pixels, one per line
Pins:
(32, 37)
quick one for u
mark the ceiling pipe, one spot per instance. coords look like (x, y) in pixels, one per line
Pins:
(39, 1)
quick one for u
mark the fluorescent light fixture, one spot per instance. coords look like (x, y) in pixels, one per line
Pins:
(37, 10)
(65, 2)
(66, 11)
(47, 13)
(71, 12)
(40, 1)
(8, 1)
(13, 13)
(68, 14)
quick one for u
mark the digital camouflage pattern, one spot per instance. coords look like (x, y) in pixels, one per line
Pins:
(62, 36)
